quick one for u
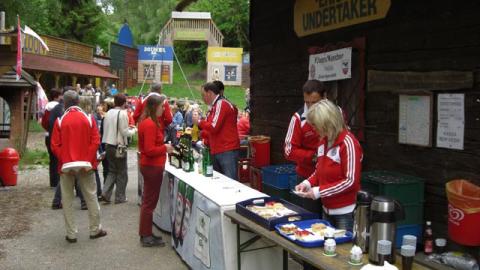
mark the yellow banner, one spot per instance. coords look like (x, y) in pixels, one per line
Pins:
(316, 16)
(224, 54)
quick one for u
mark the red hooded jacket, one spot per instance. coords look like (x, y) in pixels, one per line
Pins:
(166, 117)
(75, 138)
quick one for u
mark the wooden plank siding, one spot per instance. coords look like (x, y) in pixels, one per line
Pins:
(416, 36)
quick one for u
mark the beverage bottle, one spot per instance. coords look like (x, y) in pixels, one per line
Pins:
(191, 161)
(207, 158)
(200, 162)
(428, 239)
(195, 132)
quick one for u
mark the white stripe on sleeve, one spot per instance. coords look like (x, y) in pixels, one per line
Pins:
(350, 175)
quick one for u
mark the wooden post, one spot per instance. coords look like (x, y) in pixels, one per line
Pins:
(38, 75)
(74, 80)
(57, 80)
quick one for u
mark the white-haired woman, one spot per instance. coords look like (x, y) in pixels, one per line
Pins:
(336, 179)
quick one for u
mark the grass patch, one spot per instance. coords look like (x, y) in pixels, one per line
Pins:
(34, 157)
(35, 126)
(179, 88)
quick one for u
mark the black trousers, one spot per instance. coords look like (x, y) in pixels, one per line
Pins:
(53, 164)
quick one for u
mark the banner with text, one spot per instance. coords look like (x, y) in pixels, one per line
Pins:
(315, 16)
(331, 66)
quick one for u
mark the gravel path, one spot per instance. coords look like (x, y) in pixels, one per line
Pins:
(32, 236)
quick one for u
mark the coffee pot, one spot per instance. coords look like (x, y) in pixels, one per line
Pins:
(361, 223)
(385, 212)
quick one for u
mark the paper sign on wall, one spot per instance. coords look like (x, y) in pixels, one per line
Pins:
(331, 66)
(451, 121)
(414, 124)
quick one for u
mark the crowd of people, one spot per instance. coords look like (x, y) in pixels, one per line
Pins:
(80, 135)
(85, 127)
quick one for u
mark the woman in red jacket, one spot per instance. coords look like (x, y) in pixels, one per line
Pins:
(336, 179)
(153, 153)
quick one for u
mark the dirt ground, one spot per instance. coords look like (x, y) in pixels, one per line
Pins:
(32, 235)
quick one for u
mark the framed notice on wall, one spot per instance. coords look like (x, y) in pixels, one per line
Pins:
(451, 121)
(415, 120)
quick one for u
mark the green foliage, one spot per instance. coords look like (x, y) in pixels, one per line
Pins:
(34, 157)
(232, 18)
(81, 20)
(35, 126)
(191, 52)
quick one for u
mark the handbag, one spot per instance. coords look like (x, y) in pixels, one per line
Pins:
(121, 150)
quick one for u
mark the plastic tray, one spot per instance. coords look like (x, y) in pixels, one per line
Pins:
(269, 224)
(304, 224)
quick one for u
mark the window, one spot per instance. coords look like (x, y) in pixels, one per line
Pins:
(4, 119)
(149, 71)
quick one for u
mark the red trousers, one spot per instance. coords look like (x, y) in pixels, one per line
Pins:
(152, 181)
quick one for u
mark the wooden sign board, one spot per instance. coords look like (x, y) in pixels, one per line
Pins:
(415, 120)
(316, 16)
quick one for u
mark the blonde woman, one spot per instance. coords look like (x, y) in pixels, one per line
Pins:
(336, 179)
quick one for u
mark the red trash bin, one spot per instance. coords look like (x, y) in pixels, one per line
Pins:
(9, 158)
(260, 151)
(463, 212)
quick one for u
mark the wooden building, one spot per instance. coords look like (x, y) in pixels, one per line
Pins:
(416, 48)
(66, 63)
(124, 64)
(16, 97)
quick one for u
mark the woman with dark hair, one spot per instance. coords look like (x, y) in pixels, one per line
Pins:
(153, 154)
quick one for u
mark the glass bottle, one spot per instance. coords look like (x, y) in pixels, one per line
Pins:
(208, 162)
(428, 239)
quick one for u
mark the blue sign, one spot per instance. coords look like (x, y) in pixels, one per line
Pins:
(158, 53)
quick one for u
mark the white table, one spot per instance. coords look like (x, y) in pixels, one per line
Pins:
(206, 239)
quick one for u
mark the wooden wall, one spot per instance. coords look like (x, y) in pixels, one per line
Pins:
(60, 48)
(416, 36)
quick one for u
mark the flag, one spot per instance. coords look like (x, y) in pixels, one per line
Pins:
(30, 32)
(19, 49)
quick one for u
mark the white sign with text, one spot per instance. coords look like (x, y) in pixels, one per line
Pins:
(451, 121)
(331, 66)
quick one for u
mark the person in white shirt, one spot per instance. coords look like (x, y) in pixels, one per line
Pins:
(115, 132)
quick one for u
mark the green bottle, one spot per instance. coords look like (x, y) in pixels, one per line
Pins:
(191, 161)
(208, 163)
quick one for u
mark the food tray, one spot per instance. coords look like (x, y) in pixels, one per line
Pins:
(269, 224)
(304, 224)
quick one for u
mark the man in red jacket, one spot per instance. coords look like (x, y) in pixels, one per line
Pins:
(221, 127)
(75, 140)
(166, 117)
(302, 140)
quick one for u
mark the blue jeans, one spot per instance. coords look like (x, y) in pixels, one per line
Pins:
(344, 222)
(226, 163)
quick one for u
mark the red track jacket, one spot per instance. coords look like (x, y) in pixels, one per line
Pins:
(336, 179)
(166, 117)
(75, 138)
(221, 126)
(301, 143)
(150, 144)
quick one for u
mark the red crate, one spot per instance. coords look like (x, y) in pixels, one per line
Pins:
(256, 178)
(243, 170)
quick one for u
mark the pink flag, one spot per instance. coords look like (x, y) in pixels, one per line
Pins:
(19, 49)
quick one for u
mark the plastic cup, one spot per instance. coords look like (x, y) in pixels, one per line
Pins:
(409, 240)
(407, 252)
(440, 245)
(384, 250)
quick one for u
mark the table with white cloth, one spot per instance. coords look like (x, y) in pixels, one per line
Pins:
(191, 207)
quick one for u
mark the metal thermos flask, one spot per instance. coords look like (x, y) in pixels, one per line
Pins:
(361, 222)
(384, 213)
